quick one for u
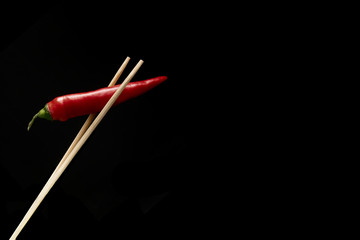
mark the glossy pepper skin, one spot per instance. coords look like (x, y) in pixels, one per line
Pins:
(73, 105)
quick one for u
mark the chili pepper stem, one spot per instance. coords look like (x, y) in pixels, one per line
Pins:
(43, 113)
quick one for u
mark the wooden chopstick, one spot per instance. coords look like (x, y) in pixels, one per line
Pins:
(51, 181)
(91, 116)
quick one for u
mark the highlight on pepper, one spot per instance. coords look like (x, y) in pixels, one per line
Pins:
(68, 106)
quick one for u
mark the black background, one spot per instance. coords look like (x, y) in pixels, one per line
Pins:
(208, 151)
(144, 171)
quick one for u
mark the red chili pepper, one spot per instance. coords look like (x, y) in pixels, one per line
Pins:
(72, 105)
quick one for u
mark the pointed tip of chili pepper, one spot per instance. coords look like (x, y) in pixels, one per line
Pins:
(43, 113)
(163, 78)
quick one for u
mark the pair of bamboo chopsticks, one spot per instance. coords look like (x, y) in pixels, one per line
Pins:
(84, 133)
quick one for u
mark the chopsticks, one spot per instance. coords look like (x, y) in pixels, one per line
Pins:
(82, 136)
(91, 117)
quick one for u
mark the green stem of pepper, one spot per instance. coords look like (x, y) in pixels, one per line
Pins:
(43, 113)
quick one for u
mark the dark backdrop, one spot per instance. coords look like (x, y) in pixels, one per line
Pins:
(140, 173)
